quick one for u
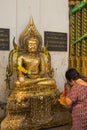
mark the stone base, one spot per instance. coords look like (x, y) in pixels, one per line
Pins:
(61, 117)
(34, 107)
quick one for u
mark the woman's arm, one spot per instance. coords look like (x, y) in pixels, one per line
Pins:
(65, 101)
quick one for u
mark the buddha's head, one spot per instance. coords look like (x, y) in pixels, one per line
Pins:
(29, 33)
(32, 44)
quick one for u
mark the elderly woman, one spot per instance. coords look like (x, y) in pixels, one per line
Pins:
(77, 98)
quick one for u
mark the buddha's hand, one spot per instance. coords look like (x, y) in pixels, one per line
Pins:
(41, 79)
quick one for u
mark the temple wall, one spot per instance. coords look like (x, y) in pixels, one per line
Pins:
(48, 15)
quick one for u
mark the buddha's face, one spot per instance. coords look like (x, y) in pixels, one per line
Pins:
(32, 45)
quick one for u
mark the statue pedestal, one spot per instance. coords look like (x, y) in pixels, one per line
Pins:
(30, 106)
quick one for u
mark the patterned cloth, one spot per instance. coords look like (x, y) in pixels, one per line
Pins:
(78, 95)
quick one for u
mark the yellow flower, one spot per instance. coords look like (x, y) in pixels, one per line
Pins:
(62, 100)
(46, 65)
(46, 54)
(22, 69)
(16, 52)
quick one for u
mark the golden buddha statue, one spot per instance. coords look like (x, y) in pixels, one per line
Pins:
(34, 64)
(35, 91)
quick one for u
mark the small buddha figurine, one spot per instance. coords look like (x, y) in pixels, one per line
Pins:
(33, 63)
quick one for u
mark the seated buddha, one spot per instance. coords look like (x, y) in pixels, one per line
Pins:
(35, 91)
(34, 66)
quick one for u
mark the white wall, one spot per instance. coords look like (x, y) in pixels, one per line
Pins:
(54, 17)
(49, 15)
(7, 20)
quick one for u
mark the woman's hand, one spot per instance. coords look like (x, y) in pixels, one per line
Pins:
(65, 100)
